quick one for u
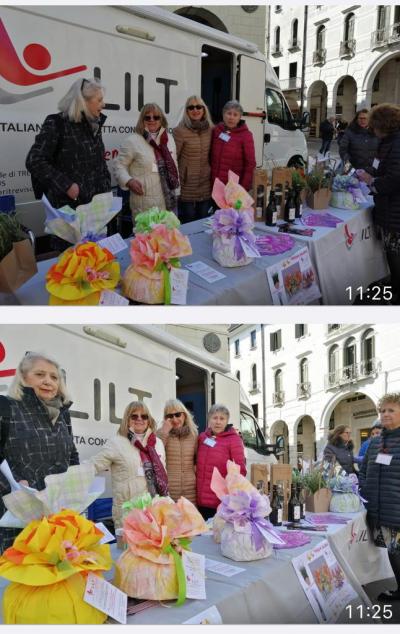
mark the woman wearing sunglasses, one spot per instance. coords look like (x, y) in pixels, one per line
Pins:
(179, 435)
(193, 141)
(232, 147)
(146, 164)
(136, 459)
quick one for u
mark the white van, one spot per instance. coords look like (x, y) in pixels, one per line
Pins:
(107, 366)
(141, 54)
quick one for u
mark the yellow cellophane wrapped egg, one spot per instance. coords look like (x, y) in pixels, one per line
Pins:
(142, 285)
(145, 579)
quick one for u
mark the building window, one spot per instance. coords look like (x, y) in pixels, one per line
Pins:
(333, 360)
(368, 351)
(278, 381)
(276, 69)
(254, 376)
(381, 18)
(292, 70)
(303, 371)
(349, 27)
(320, 38)
(295, 28)
(278, 8)
(277, 39)
(332, 327)
(238, 375)
(275, 340)
(349, 358)
(237, 348)
(253, 339)
(300, 330)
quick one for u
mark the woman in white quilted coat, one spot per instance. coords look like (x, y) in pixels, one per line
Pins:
(147, 163)
(136, 459)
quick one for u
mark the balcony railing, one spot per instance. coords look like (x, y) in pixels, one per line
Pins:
(277, 50)
(304, 390)
(353, 373)
(254, 387)
(395, 34)
(319, 57)
(347, 49)
(278, 399)
(294, 44)
(379, 38)
(292, 83)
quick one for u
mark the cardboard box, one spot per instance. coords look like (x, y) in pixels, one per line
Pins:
(259, 476)
(319, 199)
(319, 501)
(17, 267)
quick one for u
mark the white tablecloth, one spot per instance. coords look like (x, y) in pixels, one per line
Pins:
(348, 255)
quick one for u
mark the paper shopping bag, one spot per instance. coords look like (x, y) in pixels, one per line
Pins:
(17, 267)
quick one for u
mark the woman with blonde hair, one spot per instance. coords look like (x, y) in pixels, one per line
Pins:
(35, 428)
(193, 142)
(146, 164)
(179, 435)
(135, 457)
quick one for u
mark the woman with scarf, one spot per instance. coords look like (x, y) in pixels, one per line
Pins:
(179, 435)
(146, 164)
(136, 459)
(193, 141)
(35, 429)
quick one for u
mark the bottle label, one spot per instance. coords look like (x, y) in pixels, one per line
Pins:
(279, 516)
(259, 212)
(274, 217)
(278, 209)
(301, 209)
(292, 213)
(296, 512)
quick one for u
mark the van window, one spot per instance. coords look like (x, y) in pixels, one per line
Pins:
(278, 112)
(248, 431)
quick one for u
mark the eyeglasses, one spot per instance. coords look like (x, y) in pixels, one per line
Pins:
(174, 415)
(152, 117)
(139, 417)
(198, 107)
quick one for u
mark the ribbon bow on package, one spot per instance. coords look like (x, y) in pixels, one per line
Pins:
(154, 254)
(232, 195)
(50, 559)
(151, 566)
(347, 193)
(86, 222)
(234, 243)
(240, 523)
(346, 497)
(80, 274)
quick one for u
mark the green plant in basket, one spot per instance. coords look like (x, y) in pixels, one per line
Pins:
(10, 232)
(316, 180)
(313, 481)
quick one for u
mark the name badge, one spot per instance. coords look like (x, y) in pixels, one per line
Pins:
(210, 442)
(140, 471)
(154, 167)
(375, 163)
(224, 136)
(384, 458)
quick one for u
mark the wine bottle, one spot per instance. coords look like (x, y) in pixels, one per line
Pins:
(290, 209)
(271, 214)
(293, 505)
(278, 199)
(297, 203)
(300, 497)
(276, 515)
(260, 203)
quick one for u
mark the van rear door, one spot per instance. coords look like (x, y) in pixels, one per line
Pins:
(251, 94)
(226, 391)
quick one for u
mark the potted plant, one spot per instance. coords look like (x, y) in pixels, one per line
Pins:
(318, 496)
(318, 189)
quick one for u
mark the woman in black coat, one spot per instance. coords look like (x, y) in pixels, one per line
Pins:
(384, 184)
(358, 144)
(66, 160)
(380, 485)
(35, 429)
(338, 448)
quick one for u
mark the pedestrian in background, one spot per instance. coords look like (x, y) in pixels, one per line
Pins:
(193, 142)
(326, 132)
(35, 429)
(232, 147)
(146, 163)
(380, 486)
(179, 435)
(384, 184)
(375, 430)
(218, 444)
(358, 144)
(338, 448)
(135, 457)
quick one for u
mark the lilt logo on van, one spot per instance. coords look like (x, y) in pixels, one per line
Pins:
(37, 57)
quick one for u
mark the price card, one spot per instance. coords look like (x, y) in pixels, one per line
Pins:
(179, 279)
(206, 272)
(114, 243)
(210, 616)
(221, 568)
(194, 567)
(105, 597)
(375, 163)
(108, 537)
(110, 298)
